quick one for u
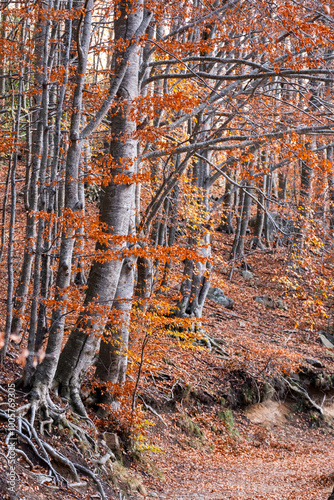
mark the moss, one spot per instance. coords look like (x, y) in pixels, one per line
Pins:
(248, 395)
(228, 418)
(189, 392)
(267, 391)
(189, 427)
(127, 480)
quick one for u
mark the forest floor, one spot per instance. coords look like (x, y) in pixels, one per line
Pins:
(227, 425)
(275, 446)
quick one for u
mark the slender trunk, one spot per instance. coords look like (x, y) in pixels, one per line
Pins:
(226, 225)
(331, 189)
(239, 240)
(171, 237)
(260, 219)
(46, 370)
(268, 229)
(282, 185)
(196, 282)
(40, 36)
(10, 261)
(306, 185)
(4, 211)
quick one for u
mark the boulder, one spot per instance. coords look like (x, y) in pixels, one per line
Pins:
(247, 275)
(266, 301)
(112, 441)
(217, 295)
(326, 342)
(314, 362)
(271, 303)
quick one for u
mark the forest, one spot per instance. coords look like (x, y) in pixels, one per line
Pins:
(167, 249)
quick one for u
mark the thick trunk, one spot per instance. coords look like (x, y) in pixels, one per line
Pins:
(117, 208)
(112, 360)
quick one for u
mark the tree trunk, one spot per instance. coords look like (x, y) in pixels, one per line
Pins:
(331, 189)
(239, 240)
(196, 282)
(46, 370)
(260, 218)
(117, 209)
(21, 295)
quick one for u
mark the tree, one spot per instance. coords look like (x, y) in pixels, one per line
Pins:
(226, 95)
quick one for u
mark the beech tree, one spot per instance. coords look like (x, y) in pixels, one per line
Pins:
(170, 112)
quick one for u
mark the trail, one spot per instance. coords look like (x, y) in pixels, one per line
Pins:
(274, 462)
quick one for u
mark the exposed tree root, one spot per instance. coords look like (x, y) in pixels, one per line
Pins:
(214, 345)
(294, 386)
(44, 452)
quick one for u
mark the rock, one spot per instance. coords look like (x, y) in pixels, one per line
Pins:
(282, 305)
(326, 342)
(328, 336)
(271, 303)
(242, 324)
(314, 362)
(217, 295)
(80, 487)
(247, 275)
(266, 301)
(112, 442)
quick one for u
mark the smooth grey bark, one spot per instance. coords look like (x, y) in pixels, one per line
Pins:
(3, 61)
(80, 278)
(282, 185)
(239, 240)
(4, 211)
(112, 358)
(172, 223)
(46, 370)
(331, 190)
(306, 184)
(196, 282)
(21, 294)
(10, 260)
(226, 225)
(260, 218)
(117, 209)
(42, 204)
(267, 222)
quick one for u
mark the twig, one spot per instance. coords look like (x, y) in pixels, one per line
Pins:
(139, 371)
(152, 410)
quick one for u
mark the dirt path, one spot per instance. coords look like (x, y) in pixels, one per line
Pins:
(279, 462)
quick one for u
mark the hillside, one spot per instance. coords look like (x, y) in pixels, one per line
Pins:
(227, 425)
